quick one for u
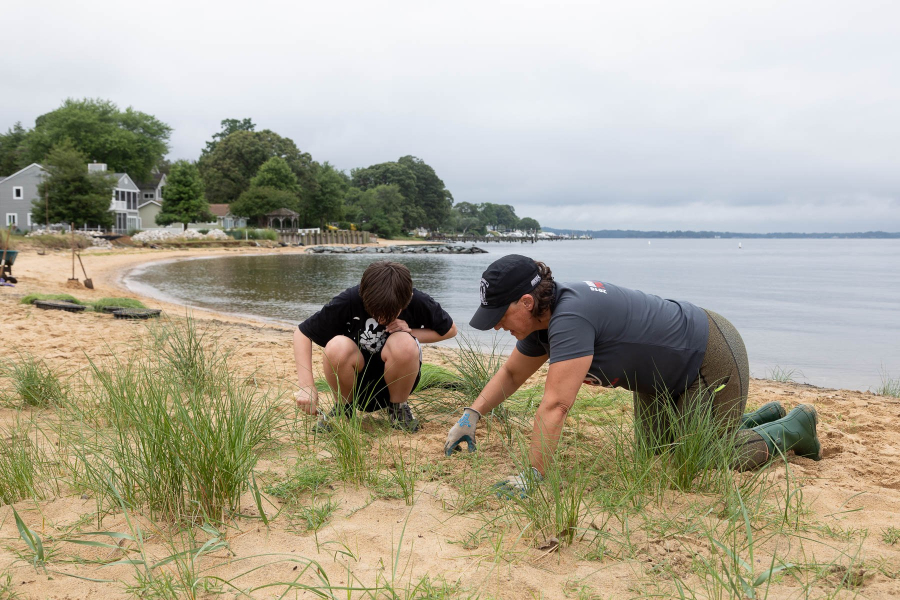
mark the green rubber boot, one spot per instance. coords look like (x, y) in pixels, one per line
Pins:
(768, 412)
(796, 431)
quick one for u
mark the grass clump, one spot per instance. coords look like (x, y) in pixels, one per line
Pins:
(435, 377)
(890, 535)
(60, 242)
(120, 302)
(22, 462)
(474, 366)
(245, 233)
(889, 386)
(30, 298)
(308, 477)
(182, 439)
(34, 383)
(783, 375)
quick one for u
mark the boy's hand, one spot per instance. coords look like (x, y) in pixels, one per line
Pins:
(463, 431)
(397, 325)
(307, 399)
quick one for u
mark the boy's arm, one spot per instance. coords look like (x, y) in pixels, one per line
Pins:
(307, 397)
(425, 336)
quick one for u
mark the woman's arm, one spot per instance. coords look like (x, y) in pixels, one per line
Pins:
(563, 380)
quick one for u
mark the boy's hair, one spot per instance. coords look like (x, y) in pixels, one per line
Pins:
(386, 289)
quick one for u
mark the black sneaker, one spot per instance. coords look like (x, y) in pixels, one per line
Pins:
(324, 423)
(402, 417)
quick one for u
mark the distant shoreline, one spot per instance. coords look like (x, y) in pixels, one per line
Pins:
(630, 233)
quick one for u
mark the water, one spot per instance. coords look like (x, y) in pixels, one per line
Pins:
(826, 309)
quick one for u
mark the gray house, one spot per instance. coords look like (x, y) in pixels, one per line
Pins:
(151, 191)
(17, 191)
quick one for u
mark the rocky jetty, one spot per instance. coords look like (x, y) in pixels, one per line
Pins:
(429, 249)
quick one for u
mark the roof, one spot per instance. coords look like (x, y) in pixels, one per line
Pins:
(150, 184)
(220, 210)
(140, 206)
(283, 212)
(21, 171)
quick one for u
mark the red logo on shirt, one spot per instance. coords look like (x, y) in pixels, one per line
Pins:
(596, 286)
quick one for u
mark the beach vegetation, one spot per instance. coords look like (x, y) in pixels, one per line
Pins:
(30, 298)
(25, 470)
(889, 386)
(783, 374)
(60, 241)
(179, 432)
(121, 302)
(249, 233)
(34, 383)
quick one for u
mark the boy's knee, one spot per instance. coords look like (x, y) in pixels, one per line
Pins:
(401, 348)
(341, 350)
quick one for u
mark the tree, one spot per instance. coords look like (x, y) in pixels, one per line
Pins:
(499, 215)
(529, 224)
(275, 173)
(69, 193)
(378, 209)
(131, 141)
(257, 202)
(12, 150)
(229, 126)
(327, 203)
(235, 160)
(183, 200)
(432, 197)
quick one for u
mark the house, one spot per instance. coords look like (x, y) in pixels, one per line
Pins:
(124, 203)
(147, 212)
(225, 219)
(17, 191)
(152, 190)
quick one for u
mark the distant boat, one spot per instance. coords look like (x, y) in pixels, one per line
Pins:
(648, 242)
(739, 245)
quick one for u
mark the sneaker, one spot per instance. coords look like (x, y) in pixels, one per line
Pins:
(324, 423)
(402, 417)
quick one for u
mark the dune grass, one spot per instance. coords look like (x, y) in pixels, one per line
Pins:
(34, 382)
(889, 386)
(30, 298)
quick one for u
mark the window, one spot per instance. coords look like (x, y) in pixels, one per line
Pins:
(12, 219)
(148, 195)
(18, 192)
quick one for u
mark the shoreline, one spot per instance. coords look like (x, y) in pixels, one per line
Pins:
(110, 271)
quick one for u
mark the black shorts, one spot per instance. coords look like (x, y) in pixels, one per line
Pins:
(370, 392)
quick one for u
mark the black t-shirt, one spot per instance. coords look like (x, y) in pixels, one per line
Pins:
(346, 315)
(638, 341)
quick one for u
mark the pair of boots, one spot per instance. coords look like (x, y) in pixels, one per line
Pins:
(795, 431)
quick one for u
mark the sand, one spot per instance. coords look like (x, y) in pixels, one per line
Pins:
(851, 497)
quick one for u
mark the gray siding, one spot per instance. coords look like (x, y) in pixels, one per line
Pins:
(27, 179)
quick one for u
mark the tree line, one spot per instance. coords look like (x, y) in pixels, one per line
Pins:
(254, 172)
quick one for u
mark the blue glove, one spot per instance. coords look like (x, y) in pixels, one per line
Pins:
(520, 485)
(463, 431)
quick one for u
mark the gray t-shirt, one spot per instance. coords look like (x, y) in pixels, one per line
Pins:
(640, 342)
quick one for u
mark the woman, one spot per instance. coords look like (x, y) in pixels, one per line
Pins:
(597, 333)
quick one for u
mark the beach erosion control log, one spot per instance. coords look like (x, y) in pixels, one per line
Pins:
(429, 249)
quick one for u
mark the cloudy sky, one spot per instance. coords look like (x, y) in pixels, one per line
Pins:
(742, 116)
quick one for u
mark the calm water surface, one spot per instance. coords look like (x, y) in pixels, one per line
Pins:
(827, 309)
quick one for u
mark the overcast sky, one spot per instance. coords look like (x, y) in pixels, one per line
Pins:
(742, 116)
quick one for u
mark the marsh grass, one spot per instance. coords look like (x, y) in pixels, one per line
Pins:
(182, 439)
(121, 302)
(309, 476)
(889, 386)
(783, 375)
(34, 383)
(25, 471)
(30, 298)
(475, 366)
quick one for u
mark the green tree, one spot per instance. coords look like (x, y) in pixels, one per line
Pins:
(229, 126)
(13, 154)
(128, 141)
(183, 200)
(529, 224)
(327, 203)
(69, 193)
(499, 215)
(275, 173)
(235, 160)
(257, 202)
(378, 209)
(432, 197)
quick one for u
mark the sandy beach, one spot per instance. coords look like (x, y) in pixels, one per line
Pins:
(840, 541)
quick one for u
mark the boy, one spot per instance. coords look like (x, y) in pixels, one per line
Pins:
(371, 335)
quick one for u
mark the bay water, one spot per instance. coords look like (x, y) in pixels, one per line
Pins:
(825, 311)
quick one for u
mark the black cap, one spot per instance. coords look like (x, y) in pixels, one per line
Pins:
(504, 282)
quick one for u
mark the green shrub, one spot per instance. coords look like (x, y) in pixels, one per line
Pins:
(34, 382)
(60, 241)
(245, 233)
